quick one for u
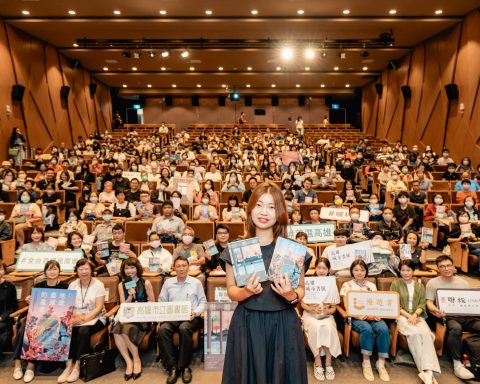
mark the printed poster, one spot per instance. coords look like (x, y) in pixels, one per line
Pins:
(48, 329)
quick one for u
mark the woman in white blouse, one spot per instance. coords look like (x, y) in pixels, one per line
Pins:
(88, 317)
(320, 327)
(233, 212)
(368, 326)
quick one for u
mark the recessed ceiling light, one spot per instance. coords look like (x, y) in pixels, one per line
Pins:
(174, 85)
(224, 85)
(208, 12)
(185, 54)
(248, 85)
(25, 12)
(365, 68)
(199, 85)
(347, 85)
(335, 68)
(124, 85)
(287, 53)
(163, 12)
(165, 53)
(105, 68)
(438, 12)
(134, 68)
(249, 68)
(309, 53)
(307, 68)
(300, 12)
(220, 68)
(192, 68)
(163, 69)
(75, 44)
(254, 12)
(72, 12)
(322, 85)
(392, 11)
(117, 12)
(298, 85)
(149, 85)
(273, 85)
(346, 11)
(278, 68)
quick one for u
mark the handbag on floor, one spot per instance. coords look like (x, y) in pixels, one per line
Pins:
(96, 364)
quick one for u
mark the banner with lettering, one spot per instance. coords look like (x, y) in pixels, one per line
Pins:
(48, 329)
(343, 257)
(34, 261)
(459, 302)
(317, 233)
(154, 311)
(317, 288)
(383, 304)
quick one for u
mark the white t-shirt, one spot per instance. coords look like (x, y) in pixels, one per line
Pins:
(410, 288)
(353, 286)
(156, 260)
(86, 299)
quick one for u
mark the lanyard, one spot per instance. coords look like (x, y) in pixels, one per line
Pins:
(86, 291)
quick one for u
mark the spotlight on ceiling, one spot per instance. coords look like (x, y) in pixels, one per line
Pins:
(136, 55)
(165, 53)
(127, 54)
(151, 55)
(185, 54)
(287, 53)
(309, 53)
(342, 55)
(364, 53)
(324, 54)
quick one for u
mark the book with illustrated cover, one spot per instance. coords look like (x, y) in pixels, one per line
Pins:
(288, 257)
(210, 247)
(405, 251)
(246, 256)
(102, 246)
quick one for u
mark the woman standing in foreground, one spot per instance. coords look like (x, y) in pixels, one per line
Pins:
(265, 340)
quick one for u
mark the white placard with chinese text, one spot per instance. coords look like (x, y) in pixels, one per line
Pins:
(317, 288)
(317, 233)
(383, 304)
(34, 261)
(338, 214)
(343, 257)
(132, 175)
(159, 311)
(459, 302)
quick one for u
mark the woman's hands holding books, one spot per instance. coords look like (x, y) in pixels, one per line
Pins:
(253, 285)
(282, 286)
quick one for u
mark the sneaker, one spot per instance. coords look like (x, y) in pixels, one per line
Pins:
(463, 373)
(329, 373)
(29, 376)
(74, 375)
(368, 373)
(425, 377)
(17, 373)
(318, 373)
(382, 372)
(64, 376)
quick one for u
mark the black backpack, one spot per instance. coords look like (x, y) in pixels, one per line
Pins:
(471, 348)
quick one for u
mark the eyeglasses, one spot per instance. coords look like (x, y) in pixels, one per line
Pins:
(445, 266)
(222, 233)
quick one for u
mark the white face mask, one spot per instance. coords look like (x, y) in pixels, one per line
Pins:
(354, 216)
(187, 239)
(469, 204)
(387, 217)
(438, 201)
(402, 200)
(155, 243)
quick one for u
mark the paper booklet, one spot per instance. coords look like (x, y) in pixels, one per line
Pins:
(427, 235)
(246, 256)
(210, 247)
(288, 257)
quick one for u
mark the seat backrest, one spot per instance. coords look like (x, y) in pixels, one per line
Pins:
(383, 283)
(156, 282)
(204, 230)
(237, 229)
(136, 231)
(111, 287)
(212, 284)
(24, 287)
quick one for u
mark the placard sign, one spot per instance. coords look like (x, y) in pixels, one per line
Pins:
(342, 214)
(217, 323)
(343, 257)
(158, 311)
(34, 261)
(459, 302)
(290, 157)
(383, 304)
(317, 288)
(317, 233)
(132, 175)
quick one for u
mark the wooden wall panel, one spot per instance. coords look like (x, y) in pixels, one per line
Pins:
(42, 115)
(428, 118)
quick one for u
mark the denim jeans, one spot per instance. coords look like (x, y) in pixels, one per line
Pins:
(367, 330)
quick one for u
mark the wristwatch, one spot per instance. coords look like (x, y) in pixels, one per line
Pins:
(295, 301)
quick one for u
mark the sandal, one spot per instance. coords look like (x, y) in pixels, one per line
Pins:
(318, 373)
(329, 373)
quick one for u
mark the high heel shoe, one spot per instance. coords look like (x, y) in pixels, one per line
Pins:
(135, 376)
(128, 376)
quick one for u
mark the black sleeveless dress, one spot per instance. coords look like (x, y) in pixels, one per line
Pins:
(265, 342)
(135, 331)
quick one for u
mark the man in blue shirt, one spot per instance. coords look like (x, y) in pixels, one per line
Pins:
(180, 288)
(306, 195)
(473, 183)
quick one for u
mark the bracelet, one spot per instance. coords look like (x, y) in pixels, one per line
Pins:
(295, 301)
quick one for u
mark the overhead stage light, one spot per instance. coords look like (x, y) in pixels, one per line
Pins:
(185, 54)
(287, 53)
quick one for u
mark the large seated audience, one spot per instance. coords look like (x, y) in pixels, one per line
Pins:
(132, 199)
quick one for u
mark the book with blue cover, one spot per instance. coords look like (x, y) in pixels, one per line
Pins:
(246, 256)
(288, 258)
